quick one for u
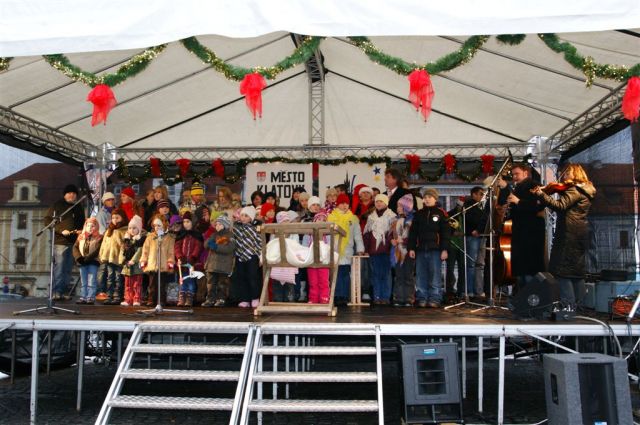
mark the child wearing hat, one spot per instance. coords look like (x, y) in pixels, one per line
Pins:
(110, 255)
(348, 222)
(130, 253)
(219, 265)
(428, 243)
(246, 277)
(377, 241)
(187, 249)
(405, 283)
(196, 198)
(128, 201)
(163, 207)
(85, 252)
(151, 263)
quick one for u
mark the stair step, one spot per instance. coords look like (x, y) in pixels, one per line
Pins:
(188, 349)
(181, 375)
(194, 327)
(315, 377)
(167, 403)
(313, 406)
(316, 351)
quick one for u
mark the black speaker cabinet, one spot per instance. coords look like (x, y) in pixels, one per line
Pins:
(535, 299)
(432, 383)
(587, 389)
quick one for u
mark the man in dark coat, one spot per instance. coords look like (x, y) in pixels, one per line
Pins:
(392, 180)
(528, 237)
(64, 238)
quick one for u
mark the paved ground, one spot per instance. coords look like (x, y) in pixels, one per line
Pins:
(524, 396)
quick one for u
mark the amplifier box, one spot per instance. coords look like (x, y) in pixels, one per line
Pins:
(607, 291)
(589, 295)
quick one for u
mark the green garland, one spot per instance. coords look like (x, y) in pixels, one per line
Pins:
(446, 63)
(587, 65)
(129, 69)
(511, 39)
(469, 178)
(4, 63)
(301, 54)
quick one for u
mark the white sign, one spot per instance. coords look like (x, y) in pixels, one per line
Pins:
(351, 174)
(278, 177)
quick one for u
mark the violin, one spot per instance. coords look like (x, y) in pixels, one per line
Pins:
(556, 187)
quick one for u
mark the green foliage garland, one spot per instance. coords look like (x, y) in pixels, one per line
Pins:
(446, 63)
(4, 63)
(586, 64)
(300, 55)
(129, 69)
(511, 39)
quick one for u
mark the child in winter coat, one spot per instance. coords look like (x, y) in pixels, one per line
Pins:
(187, 248)
(110, 255)
(378, 233)
(130, 253)
(348, 222)
(219, 265)
(151, 263)
(246, 277)
(318, 278)
(284, 278)
(85, 252)
(428, 243)
(405, 283)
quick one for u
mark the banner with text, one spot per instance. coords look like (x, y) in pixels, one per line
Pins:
(278, 177)
(351, 174)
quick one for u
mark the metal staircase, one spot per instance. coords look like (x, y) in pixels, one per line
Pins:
(155, 334)
(304, 355)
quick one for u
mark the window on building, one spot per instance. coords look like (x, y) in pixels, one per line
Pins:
(24, 193)
(21, 255)
(624, 239)
(22, 221)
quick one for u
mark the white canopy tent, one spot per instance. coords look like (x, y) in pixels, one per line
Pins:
(504, 96)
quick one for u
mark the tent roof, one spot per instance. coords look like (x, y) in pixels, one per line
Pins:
(505, 95)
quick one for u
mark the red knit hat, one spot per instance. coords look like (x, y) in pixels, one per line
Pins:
(343, 198)
(265, 208)
(129, 192)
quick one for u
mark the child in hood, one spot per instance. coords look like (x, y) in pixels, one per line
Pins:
(219, 265)
(377, 237)
(85, 252)
(110, 255)
(187, 249)
(130, 253)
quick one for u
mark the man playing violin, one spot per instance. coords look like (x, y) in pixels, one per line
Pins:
(527, 214)
(567, 261)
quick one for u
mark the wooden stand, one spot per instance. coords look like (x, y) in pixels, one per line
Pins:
(282, 231)
(356, 281)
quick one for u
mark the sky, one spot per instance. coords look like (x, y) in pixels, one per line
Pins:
(14, 159)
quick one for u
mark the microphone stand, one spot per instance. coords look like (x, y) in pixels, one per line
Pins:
(50, 308)
(466, 256)
(158, 308)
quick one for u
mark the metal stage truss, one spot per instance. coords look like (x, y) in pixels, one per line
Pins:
(465, 334)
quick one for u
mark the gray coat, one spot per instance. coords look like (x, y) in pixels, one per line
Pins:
(571, 237)
(220, 258)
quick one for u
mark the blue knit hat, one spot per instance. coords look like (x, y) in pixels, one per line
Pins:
(224, 220)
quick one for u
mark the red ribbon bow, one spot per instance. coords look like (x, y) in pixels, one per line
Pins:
(218, 168)
(251, 88)
(183, 164)
(414, 163)
(631, 100)
(449, 163)
(155, 166)
(487, 163)
(421, 91)
(103, 101)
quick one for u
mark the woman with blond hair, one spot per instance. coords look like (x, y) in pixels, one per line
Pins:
(570, 239)
(222, 204)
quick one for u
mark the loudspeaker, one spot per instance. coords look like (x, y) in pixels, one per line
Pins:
(535, 299)
(586, 389)
(432, 383)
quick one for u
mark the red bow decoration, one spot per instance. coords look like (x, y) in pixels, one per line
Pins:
(449, 163)
(103, 101)
(251, 88)
(218, 168)
(414, 163)
(631, 100)
(487, 163)
(421, 91)
(183, 164)
(155, 166)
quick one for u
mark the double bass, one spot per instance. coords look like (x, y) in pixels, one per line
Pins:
(501, 231)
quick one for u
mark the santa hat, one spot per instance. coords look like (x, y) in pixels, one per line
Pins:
(355, 201)
(250, 211)
(342, 199)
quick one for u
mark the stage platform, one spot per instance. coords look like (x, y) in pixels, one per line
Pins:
(391, 320)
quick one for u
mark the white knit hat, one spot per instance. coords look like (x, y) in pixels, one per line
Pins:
(250, 211)
(107, 196)
(136, 221)
(314, 200)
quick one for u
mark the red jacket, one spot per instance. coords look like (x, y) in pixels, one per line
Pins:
(188, 247)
